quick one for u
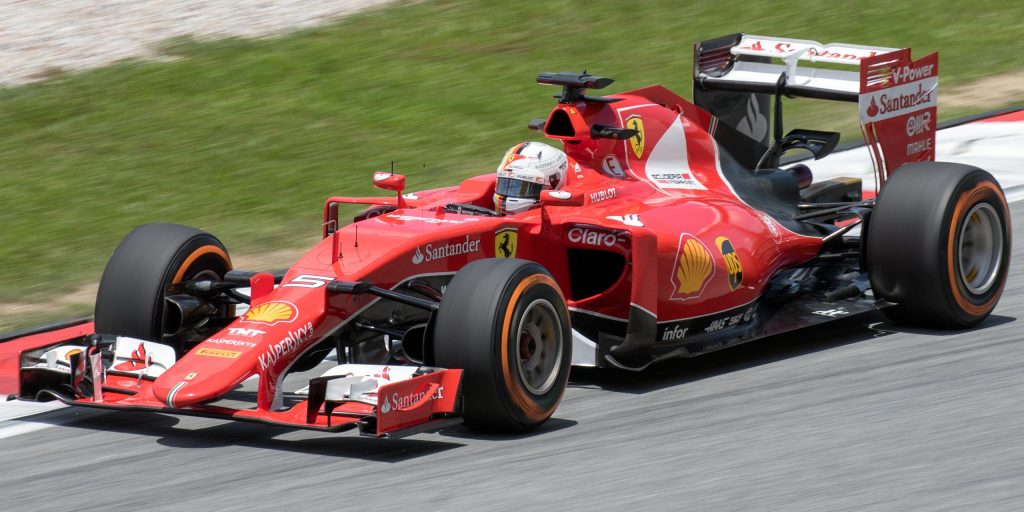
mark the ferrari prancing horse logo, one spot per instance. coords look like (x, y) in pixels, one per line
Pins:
(634, 122)
(506, 241)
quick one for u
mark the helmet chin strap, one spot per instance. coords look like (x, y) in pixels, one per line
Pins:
(518, 204)
(507, 205)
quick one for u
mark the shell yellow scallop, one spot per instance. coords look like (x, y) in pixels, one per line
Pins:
(271, 313)
(694, 268)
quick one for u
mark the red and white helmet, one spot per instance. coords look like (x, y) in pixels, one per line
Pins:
(525, 170)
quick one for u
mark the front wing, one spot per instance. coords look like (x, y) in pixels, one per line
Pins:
(370, 398)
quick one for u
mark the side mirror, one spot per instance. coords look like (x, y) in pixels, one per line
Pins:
(560, 198)
(389, 181)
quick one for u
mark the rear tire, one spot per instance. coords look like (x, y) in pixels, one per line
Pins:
(505, 323)
(130, 301)
(938, 244)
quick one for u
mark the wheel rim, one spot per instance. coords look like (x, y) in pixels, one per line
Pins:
(540, 347)
(980, 248)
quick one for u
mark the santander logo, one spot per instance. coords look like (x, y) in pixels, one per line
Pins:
(873, 108)
(405, 401)
(434, 252)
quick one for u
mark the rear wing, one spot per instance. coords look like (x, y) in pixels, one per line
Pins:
(749, 63)
(735, 76)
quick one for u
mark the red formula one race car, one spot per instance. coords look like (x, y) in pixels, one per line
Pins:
(664, 229)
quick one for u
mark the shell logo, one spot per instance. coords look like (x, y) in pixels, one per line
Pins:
(693, 269)
(272, 312)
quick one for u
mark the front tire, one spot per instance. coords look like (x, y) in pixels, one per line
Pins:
(505, 323)
(938, 244)
(130, 301)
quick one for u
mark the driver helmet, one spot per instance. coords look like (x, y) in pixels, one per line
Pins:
(525, 170)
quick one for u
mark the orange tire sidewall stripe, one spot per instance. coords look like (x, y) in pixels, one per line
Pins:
(532, 410)
(196, 254)
(969, 198)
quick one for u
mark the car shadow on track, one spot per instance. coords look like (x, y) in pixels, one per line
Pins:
(847, 331)
(177, 432)
(991, 321)
(552, 425)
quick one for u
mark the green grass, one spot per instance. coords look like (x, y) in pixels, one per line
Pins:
(11, 323)
(245, 138)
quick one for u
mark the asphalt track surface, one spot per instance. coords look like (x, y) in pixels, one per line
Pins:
(862, 415)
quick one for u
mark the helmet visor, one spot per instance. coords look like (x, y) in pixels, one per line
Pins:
(509, 187)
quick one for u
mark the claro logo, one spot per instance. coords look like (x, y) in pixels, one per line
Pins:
(594, 237)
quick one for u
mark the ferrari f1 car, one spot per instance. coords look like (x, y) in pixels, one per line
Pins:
(675, 233)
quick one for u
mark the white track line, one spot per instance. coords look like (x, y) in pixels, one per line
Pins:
(15, 409)
(991, 146)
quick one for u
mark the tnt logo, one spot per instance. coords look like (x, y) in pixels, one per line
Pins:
(248, 333)
(919, 124)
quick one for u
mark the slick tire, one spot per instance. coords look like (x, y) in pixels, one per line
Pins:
(130, 301)
(938, 245)
(504, 322)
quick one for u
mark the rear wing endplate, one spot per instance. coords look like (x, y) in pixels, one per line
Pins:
(898, 104)
(735, 76)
